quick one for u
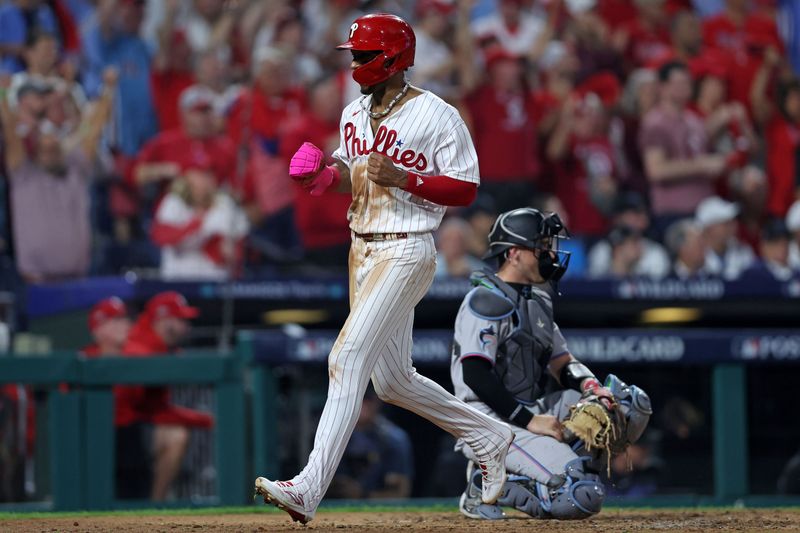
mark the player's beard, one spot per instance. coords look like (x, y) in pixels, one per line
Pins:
(376, 90)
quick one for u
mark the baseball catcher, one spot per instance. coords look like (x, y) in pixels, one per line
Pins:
(511, 362)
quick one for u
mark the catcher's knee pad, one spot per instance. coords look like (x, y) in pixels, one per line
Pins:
(577, 494)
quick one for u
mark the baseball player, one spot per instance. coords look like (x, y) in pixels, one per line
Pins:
(508, 355)
(404, 154)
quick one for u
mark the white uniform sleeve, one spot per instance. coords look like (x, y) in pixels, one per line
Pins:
(455, 155)
(559, 342)
(475, 337)
(341, 152)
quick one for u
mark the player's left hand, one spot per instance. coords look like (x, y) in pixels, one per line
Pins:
(381, 170)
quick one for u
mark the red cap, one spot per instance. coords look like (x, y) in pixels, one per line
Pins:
(496, 53)
(169, 303)
(106, 310)
(605, 85)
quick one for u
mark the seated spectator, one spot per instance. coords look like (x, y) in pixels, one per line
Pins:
(748, 188)
(726, 256)
(109, 324)
(774, 260)
(159, 330)
(49, 182)
(321, 220)
(630, 211)
(18, 19)
(626, 247)
(162, 158)
(793, 225)
(684, 240)
(199, 228)
(453, 259)
(686, 37)
(677, 163)
(378, 461)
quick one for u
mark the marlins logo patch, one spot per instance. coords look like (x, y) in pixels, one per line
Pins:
(487, 337)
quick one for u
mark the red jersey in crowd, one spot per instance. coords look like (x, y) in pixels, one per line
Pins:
(176, 146)
(134, 404)
(504, 128)
(745, 44)
(646, 44)
(783, 150)
(321, 220)
(167, 86)
(268, 117)
(588, 160)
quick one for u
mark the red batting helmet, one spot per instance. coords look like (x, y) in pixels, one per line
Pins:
(385, 33)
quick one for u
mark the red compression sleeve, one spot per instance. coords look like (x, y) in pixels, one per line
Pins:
(442, 189)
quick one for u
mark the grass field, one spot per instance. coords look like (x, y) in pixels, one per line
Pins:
(376, 519)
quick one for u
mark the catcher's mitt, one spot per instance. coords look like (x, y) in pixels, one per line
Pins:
(600, 424)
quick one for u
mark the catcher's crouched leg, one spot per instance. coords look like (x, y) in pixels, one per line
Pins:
(576, 494)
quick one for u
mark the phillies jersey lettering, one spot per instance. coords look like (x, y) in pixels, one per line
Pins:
(386, 142)
(426, 136)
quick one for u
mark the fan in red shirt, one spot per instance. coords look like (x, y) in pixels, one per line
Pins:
(583, 158)
(504, 126)
(170, 76)
(647, 36)
(321, 220)
(158, 332)
(163, 157)
(745, 35)
(109, 325)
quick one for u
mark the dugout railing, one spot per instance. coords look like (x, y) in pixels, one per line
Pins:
(80, 411)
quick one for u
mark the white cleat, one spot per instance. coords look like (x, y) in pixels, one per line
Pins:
(494, 474)
(286, 497)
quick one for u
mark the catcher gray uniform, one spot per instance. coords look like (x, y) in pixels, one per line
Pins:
(505, 340)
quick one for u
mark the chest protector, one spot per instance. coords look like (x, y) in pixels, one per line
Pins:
(525, 337)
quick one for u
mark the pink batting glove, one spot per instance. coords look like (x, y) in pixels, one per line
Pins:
(306, 162)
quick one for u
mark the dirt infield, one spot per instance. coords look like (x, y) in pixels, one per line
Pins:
(613, 521)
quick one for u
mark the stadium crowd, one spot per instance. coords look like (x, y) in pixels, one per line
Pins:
(155, 135)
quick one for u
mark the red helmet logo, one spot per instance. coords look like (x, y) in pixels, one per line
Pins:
(388, 34)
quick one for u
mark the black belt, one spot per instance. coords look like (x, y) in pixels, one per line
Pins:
(375, 237)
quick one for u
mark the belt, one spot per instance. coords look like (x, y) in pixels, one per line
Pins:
(376, 237)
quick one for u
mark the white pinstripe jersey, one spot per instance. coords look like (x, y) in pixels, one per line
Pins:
(426, 136)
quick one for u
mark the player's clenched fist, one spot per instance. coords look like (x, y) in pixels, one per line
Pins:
(308, 169)
(382, 171)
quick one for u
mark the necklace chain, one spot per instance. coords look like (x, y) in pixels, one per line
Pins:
(381, 114)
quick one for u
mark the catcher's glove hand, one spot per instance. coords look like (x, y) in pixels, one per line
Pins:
(599, 423)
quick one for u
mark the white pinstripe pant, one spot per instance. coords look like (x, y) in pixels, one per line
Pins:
(387, 279)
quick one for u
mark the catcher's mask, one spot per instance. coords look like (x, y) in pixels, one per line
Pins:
(530, 228)
(389, 42)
